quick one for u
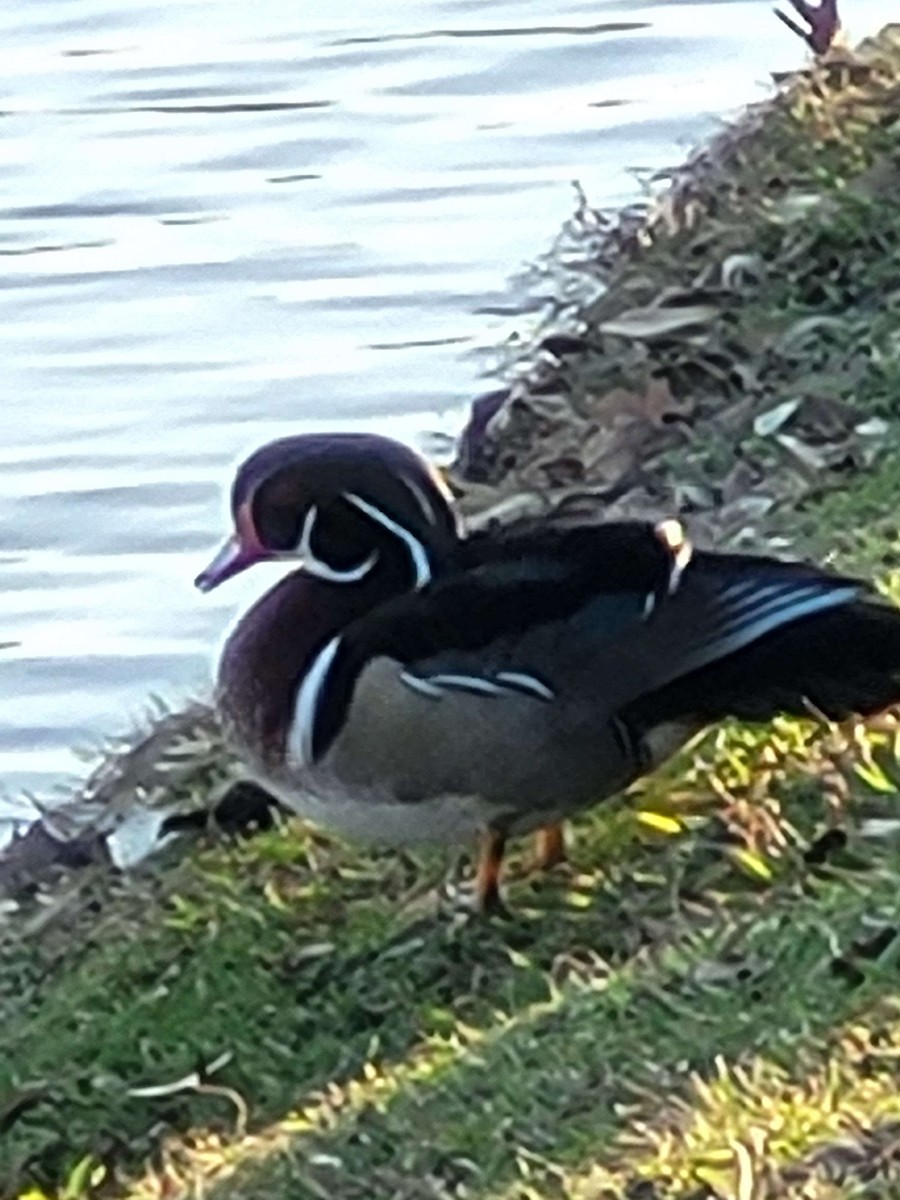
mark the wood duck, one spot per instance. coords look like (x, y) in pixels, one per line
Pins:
(410, 683)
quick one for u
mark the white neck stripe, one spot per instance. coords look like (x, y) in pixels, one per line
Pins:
(420, 562)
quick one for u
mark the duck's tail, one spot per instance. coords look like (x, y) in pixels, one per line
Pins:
(838, 663)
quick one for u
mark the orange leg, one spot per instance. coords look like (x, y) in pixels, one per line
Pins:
(550, 847)
(487, 877)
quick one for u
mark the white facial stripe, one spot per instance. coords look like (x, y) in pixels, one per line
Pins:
(420, 498)
(320, 568)
(308, 696)
(420, 562)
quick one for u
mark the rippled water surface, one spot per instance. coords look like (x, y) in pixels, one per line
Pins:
(222, 221)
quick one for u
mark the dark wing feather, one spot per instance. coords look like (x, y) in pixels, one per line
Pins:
(501, 587)
(608, 648)
(572, 615)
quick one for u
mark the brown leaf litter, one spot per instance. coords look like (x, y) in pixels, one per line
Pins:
(694, 383)
(136, 786)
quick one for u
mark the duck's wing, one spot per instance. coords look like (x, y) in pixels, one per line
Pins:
(537, 650)
(831, 650)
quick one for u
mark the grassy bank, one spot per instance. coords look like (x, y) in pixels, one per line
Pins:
(704, 1001)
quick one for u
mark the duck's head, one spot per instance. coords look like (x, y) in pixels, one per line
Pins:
(343, 505)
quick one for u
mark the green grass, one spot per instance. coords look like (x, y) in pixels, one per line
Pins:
(356, 1023)
(702, 1004)
(530, 1100)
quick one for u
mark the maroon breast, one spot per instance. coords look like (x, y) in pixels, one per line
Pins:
(266, 656)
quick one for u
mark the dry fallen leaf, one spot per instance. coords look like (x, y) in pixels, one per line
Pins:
(655, 404)
(742, 479)
(822, 418)
(772, 419)
(644, 324)
(874, 427)
(809, 456)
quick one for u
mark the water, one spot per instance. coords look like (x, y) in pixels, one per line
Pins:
(220, 222)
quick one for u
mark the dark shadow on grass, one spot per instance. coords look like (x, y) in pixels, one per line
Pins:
(304, 962)
(551, 1088)
(307, 986)
(300, 962)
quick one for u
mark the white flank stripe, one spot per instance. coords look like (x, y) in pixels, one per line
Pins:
(526, 683)
(420, 685)
(505, 683)
(308, 695)
(416, 550)
(467, 683)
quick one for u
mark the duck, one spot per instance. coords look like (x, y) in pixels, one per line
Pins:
(412, 681)
(823, 21)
